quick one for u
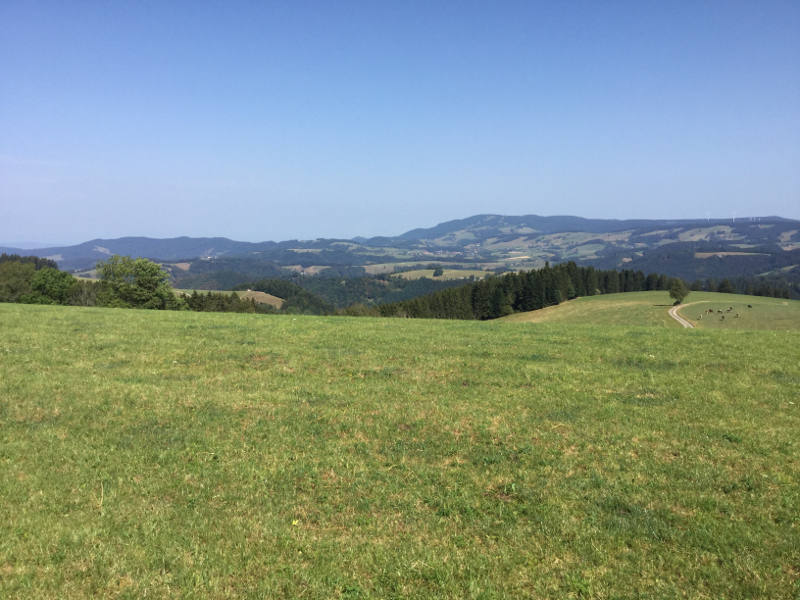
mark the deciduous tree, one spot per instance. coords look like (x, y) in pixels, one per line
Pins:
(678, 290)
(137, 283)
(52, 285)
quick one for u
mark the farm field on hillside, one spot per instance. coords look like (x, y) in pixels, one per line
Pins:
(650, 309)
(260, 297)
(629, 309)
(171, 454)
(740, 312)
(446, 275)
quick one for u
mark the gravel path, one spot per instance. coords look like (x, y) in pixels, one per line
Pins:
(673, 312)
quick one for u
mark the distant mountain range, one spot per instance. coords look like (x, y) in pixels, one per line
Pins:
(695, 248)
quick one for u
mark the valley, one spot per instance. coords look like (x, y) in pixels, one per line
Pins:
(691, 249)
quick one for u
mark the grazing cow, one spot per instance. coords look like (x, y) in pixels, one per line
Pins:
(749, 306)
(722, 318)
(736, 315)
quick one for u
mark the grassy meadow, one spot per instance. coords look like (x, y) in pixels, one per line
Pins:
(740, 312)
(650, 308)
(629, 309)
(167, 454)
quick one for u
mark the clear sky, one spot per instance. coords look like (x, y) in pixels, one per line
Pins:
(259, 121)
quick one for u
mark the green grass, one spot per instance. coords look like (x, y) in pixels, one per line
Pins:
(633, 308)
(165, 454)
(753, 312)
(650, 309)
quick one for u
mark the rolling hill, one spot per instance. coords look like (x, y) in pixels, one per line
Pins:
(259, 297)
(650, 309)
(691, 249)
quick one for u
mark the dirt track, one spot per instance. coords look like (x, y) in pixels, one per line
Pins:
(673, 312)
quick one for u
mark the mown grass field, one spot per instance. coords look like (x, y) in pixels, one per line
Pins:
(163, 454)
(650, 308)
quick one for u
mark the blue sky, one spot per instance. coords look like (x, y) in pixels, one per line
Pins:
(258, 121)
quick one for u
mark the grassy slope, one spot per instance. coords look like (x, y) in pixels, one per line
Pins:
(650, 308)
(180, 454)
(765, 313)
(634, 308)
(260, 297)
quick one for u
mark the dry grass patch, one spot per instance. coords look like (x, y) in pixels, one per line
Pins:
(262, 298)
(724, 254)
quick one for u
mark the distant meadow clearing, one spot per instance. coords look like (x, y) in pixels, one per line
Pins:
(174, 454)
(705, 310)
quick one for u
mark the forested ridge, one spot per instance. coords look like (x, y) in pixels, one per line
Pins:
(296, 299)
(35, 261)
(372, 290)
(140, 283)
(523, 291)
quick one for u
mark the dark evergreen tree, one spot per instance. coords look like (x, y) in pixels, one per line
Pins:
(725, 287)
(523, 291)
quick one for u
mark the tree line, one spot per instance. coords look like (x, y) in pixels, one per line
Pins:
(371, 290)
(520, 292)
(140, 283)
(296, 300)
(34, 280)
(37, 262)
(220, 302)
(123, 282)
(752, 286)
